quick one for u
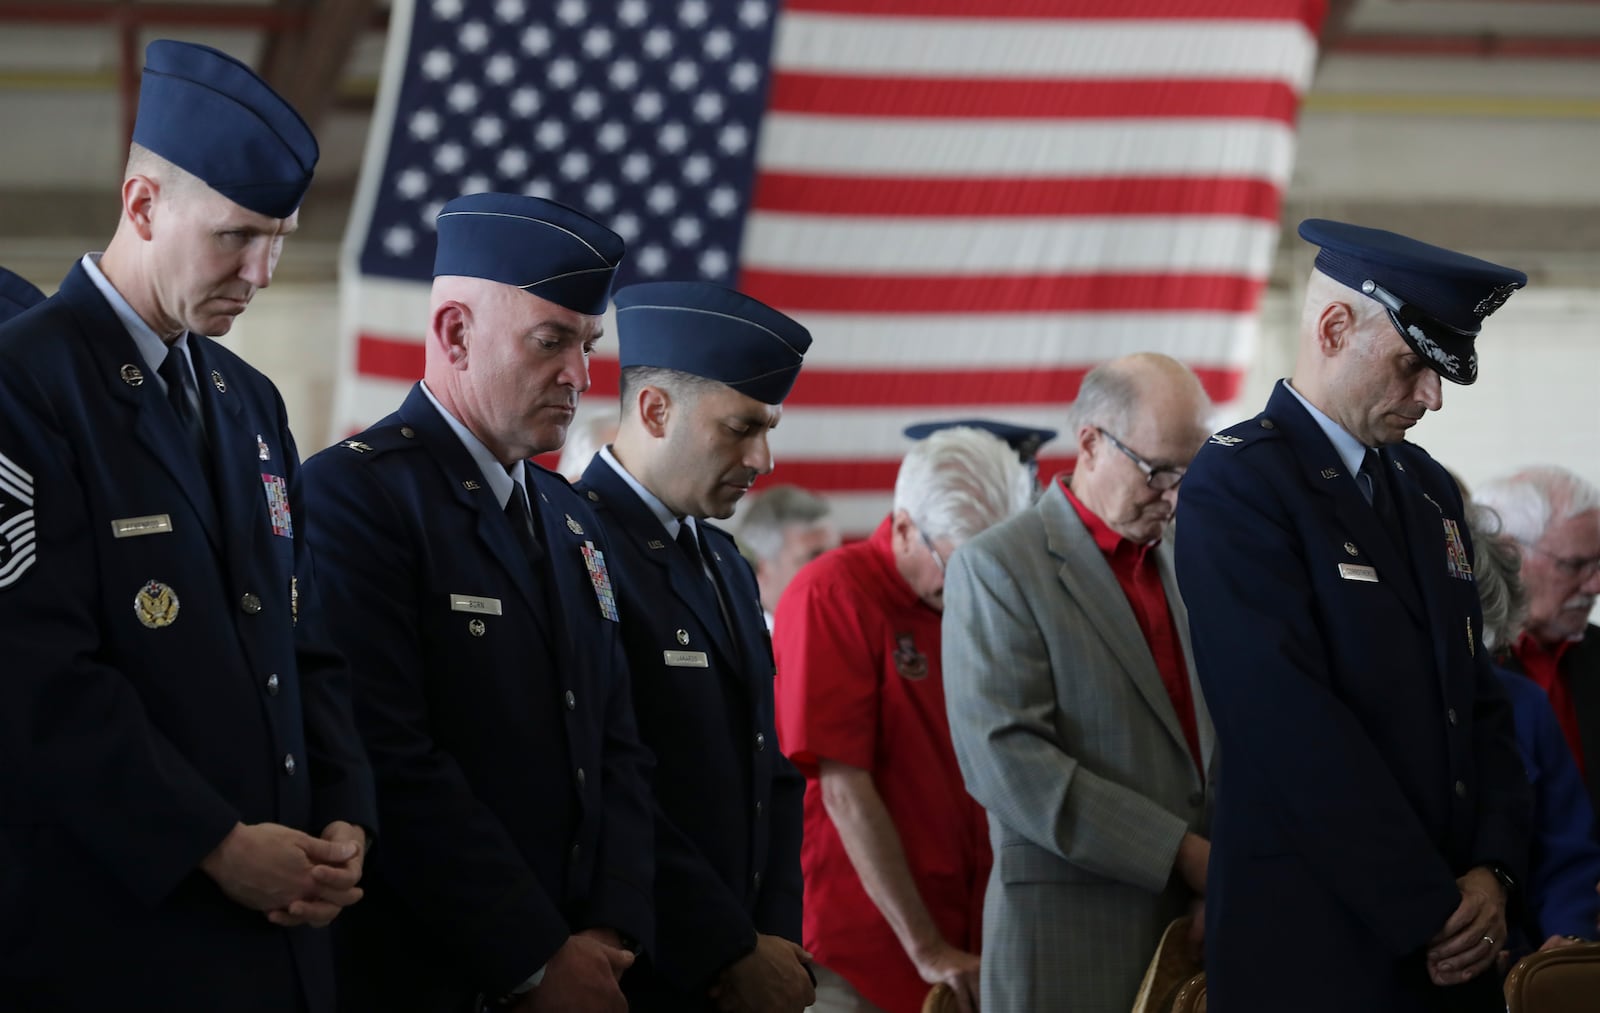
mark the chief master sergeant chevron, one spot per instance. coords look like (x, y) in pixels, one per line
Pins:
(1371, 808)
(185, 801)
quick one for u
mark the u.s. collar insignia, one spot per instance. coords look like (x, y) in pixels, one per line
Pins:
(132, 375)
(655, 543)
(908, 661)
(357, 446)
(261, 449)
(573, 526)
(218, 382)
(471, 485)
(1330, 473)
(156, 605)
(1224, 440)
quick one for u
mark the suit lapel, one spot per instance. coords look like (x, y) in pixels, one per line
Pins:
(1423, 520)
(129, 380)
(1089, 580)
(1180, 619)
(235, 456)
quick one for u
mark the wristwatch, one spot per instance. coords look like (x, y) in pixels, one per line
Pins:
(1504, 876)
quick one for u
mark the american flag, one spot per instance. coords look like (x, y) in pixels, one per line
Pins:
(969, 202)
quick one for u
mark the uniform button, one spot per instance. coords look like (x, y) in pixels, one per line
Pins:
(581, 777)
(1196, 800)
(272, 684)
(251, 603)
(594, 497)
(758, 880)
(1461, 789)
(761, 741)
(408, 432)
(1451, 714)
(1267, 424)
(572, 701)
(288, 764)
(576, 853)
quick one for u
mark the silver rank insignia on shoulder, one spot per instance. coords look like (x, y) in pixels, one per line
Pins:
(471, 485)
(1330, 473)
(218, 382)
(132, 375)
(156, 605)
(261, 449)
(357, 446)
(1224, 440)
(573, 526)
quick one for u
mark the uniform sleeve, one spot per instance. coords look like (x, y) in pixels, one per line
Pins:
(1000, 695)
(778, 908)
(81, 750)
(1564, 864)
(342, 786)
(828, 665)
(444, 852)
(1259, 646)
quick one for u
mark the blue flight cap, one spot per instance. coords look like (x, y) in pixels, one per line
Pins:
(16, 295)
(530, 243)
(211, 116)
(706, 330)
(1025, 440)
(1436, 298)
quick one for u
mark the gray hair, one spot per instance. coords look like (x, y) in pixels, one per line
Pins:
(1533, 499)
(1495, 567)
(1107, 397)
(770, 513)
(960, 481)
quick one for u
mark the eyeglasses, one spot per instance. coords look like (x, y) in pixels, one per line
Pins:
(937, 559)
(1160, 478)
(1571, 566)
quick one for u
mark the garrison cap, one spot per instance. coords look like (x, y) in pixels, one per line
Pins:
(16, 295)
(537, 245)
(713, 332)
(1436, 298)
(211, 116)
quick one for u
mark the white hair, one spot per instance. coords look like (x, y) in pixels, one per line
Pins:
(1496, 568)
(1533, 499)
(960, 481)
(765, 520)
(583, 442)
(1107, 398)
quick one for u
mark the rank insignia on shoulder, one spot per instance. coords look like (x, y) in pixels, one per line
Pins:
(132, 375)
(1224, 440)
(1456, 561)
(357, 446)
(573, 526)
(17, 545)
(262, 452)
(156, 605)
(218, 382)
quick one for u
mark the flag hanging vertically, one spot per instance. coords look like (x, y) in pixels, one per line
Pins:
(969, 202)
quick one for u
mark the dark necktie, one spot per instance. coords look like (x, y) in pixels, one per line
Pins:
(182, 396)
(1377, 482)
(522, 524)
(689, 541)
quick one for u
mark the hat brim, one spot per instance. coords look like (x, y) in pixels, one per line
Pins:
(1448, 351)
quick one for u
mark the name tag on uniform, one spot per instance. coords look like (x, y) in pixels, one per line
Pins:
(1355, 571)
(133, 527)
(686, 659)
(472, 603)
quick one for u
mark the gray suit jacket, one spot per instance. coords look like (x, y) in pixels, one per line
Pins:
(1068, 738)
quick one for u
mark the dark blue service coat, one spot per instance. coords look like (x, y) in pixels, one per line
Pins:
(166, 675)
(1368, 758)
(728, 832)
(494, 701)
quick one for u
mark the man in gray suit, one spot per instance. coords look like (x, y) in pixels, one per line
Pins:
(1073, 706)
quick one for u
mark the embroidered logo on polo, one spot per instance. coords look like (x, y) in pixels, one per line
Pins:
(1456, 561)
(908, 661)
(16, 522)
(595, 562)
(278, 504)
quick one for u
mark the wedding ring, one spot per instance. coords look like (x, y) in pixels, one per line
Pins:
(1490, 941)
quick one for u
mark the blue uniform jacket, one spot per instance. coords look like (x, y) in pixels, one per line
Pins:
(1367, 751)
(1564, 860)
(1580, 667)
(167, 674)
(494, 701)
(729, 804)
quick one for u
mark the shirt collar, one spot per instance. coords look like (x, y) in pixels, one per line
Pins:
(1350, 450)
(658, 508)
(502, 480)
(1105, 539)
(151, 348)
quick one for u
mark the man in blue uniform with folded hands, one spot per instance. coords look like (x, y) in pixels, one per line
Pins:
(186, 804)
(705, 371)
(474, 594)
(1371, 813)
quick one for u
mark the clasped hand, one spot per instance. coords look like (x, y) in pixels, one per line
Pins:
(294, 878)
(1474, 934)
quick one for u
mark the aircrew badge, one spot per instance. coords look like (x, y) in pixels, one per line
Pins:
(294, 601)
(908, 661)
(218, 382)
(595, 562)
(573, 526)
(278, 505)
(156, 605)
(1456, 561)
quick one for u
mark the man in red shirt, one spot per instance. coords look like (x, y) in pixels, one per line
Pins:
(1555, 516)
(895, 853)
(1074, 707)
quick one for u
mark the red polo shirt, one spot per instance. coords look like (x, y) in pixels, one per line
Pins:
(1543, 666)
(1140, 578)
(859, 682)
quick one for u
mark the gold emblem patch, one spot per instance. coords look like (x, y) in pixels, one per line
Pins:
(156, 605)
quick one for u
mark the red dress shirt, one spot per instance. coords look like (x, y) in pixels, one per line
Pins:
(1544, 668)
